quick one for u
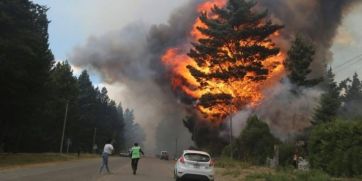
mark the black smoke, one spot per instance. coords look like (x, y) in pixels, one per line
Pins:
(317, 20)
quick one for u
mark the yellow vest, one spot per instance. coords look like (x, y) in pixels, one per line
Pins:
(136, 152)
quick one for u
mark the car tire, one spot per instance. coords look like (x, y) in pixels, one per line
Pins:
(176, 177)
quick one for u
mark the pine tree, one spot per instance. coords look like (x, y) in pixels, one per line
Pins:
(25, 62)
(104, 99)
(354, 90)
(235, 45)
(352, 98)
(297, 64)
(87, 100)
(63, 86)
(116, 125)
(330, 101)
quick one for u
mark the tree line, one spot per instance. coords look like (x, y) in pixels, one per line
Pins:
(36, 91)
(333, 141)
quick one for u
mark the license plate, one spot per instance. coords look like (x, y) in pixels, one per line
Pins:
(196, 166)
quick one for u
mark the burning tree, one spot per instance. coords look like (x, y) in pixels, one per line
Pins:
(233, 53)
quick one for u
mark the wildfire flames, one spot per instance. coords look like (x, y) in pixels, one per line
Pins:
(245, 93)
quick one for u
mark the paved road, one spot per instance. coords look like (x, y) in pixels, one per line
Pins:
(150, 169)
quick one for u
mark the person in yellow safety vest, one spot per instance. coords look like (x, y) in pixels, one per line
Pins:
(136, 152)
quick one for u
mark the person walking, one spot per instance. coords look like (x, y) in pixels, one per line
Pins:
(136, 152)
(108, 149)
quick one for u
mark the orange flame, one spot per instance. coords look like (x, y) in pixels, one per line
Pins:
(244, 92)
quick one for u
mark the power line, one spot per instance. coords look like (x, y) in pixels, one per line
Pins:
(339, 69)
(355, 58)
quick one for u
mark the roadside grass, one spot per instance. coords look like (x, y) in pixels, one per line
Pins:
(20, 159)
(290, 175)
(231, 170)
(229, 163)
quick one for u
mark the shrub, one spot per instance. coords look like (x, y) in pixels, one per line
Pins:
(286, 152)
(336, 147)
(254, 144)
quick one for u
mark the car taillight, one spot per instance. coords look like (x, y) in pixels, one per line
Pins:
(182, 160)
(212, 163)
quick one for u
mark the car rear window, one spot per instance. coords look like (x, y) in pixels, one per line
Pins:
(197, 157)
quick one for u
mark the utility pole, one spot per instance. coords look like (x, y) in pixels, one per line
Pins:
(64, 124)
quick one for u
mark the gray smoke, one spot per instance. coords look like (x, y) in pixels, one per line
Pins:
(131, 58)
(287, 109)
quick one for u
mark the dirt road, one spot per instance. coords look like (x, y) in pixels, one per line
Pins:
(150, 169)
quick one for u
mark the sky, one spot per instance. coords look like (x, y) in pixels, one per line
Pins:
(348, 45)
(74, 21)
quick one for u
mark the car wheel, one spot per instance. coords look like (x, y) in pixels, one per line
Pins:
(176, 177)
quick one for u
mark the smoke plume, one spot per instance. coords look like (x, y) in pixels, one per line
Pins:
(131, 58)
(288, 109)
(317, 20)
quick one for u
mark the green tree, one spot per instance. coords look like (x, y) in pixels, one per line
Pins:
(354, 90)
(298, 61)
(335, 147)
(255, 142)
(330, 102)
(36, 93)
(25, 61)
(352, 97)
(64, 89)
(108, 123)
(87, 113)
(235, 44)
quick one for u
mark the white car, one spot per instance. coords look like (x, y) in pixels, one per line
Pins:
(194, 165)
